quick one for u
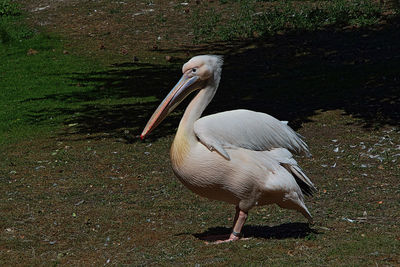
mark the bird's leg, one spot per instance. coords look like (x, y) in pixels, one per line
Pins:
(240, 219)
(238, 222)
(236, 216)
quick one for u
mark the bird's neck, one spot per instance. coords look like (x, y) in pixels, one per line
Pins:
(194, 111)
(185, 136)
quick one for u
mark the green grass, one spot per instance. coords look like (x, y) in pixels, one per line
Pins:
(33, 67)
(38, 79)
(9, 8)
(250, 19)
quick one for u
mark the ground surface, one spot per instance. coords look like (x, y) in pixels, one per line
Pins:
(92, 193)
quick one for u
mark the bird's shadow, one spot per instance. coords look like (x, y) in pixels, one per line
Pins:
(282, 231)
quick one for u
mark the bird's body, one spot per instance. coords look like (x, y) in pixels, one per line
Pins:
(249, 179)
(239, 157)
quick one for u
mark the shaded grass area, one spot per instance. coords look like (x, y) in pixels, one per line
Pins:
(293, 75)
(118, 102)
(290, 77)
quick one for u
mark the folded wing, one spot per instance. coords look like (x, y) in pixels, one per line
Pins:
(247, 129)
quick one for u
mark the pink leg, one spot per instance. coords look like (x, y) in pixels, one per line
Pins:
(236, 216)
(240, 219)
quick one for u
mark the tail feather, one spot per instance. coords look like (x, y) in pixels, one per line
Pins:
(295, 201)
(307, 214)
(306, 186)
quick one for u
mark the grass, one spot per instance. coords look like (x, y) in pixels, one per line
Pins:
(78, 188)
(35, 67)
(79, 200)
(250, 19)
(9, 8)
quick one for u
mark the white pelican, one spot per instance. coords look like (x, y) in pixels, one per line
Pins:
(241, 157)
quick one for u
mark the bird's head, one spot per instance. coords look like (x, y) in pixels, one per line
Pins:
(198, 73)
(206, 67)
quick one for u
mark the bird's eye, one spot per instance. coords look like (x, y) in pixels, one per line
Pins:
(194, 70)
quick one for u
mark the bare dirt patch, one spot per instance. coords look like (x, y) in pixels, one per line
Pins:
(126, 29)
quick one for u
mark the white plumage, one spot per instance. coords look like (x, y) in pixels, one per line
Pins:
(240, 157)
(247, 129)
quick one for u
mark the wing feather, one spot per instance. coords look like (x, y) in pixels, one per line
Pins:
(247, 129)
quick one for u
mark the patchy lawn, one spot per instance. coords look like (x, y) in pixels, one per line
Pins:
(89, 192)
(92, 199)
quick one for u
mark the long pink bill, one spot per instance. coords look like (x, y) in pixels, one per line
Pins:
(180, 91)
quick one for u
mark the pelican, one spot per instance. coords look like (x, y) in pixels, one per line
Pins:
(241, 157)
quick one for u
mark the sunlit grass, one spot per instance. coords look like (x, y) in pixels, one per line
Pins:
(33, 67)
(250, 19)
(39, 77)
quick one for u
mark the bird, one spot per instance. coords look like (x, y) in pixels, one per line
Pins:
(241, 157)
